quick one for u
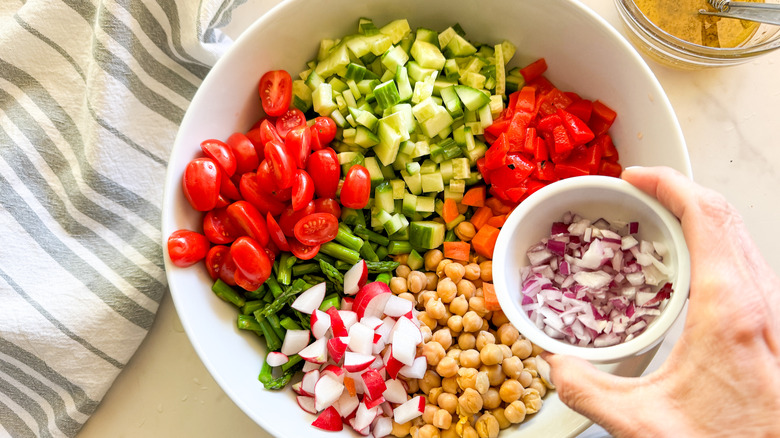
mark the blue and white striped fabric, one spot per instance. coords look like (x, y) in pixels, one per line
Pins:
(91, 95)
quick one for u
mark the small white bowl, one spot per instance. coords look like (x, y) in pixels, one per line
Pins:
(591, 197)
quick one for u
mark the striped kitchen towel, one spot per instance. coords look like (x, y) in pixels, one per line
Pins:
(91, 95)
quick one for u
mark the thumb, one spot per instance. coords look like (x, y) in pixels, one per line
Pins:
(602, 397)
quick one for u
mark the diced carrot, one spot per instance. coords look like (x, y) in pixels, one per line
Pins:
(475, 196)
(497, 221)
(485, 240)
(481, 216)
(498, 206)
(349, 383)
(491, 299)
(457, 250)
(450, 211)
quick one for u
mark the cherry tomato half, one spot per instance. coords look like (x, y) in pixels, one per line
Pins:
(247, 159)
(246, 216)
(289, 120)
(201, 183)
(303, 252)
(302, 190)
(298, 145)
(219, 228)
(327, 205)
(323, 166)
(250, 191)
(215, 258)
(315, 139)
(185, 247)
(325, 128)
(276, 233)
(282, 164)
(316, 229)
(221, 153)
(228, 189)
(252, 263)
(290, 217)
(357, 187)
(275, 92)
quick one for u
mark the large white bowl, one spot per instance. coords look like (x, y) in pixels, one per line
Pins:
(584, 54)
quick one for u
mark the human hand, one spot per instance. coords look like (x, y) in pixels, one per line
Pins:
(722, 378)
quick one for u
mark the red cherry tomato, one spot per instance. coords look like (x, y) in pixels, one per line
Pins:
(227, 271)
(357, 187)
(323, 166)
(302, 190)
(251, 192)
(266, 182)
(253, 266)
(221, 153)
(215, 258)
(246, 155)
(185, 247)
(325, 128)
(221, 202)
(290, 217)
(303, 252)
(228, 189)
(275, 92)
(327, 205)
(219, 228)
(246, 216)
(316, 229)
(289, 120)
(276, 233)
(282, 164)
(201, 183)
(315, 139)
(268, 132)
(298, 145)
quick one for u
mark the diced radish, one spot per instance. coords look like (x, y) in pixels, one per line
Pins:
(356, 362)
(373, 383)
(361, 339)
(295, 341)
(371, 403)
(306, 403)
(346, 303)
(326, 391)
(348, 317)
(392, 365)
(320, 324)
(404, 349)
(379, 345)
(416, 370)
(364, 432)
(276, 359)
(407, 330)
(337, 347)
(397, 306)
(346, 404)
(409, 410)
(371, 322)
(355, 278)
(385, 329)
(309, 380)
(382, 427)
(296, 387)
(329, 420)
(395, 392)
(310, 366)
(334, 371)
(310, 299)
(371, 299)
(365, 416)
(337, 326)
(316, 352)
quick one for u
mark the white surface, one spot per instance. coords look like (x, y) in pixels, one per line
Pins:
(728, 118)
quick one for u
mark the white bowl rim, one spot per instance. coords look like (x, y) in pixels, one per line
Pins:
(654, 333)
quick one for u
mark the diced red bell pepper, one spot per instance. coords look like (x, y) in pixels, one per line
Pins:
(566, 170)
(594, 159)
(495, 156)
(534, 70)
(498, 126)
(602, 118)
(554, 100)
(573, 96)
(545, 171)
(561, 140)
(516, 132)
(608, 150)
(581, 108)
(542, 84)
(483, 170)
(526, 100)
(512, 103)
(529, 143)
(547, 123)
(577, 129)
(515, 194)
(531, 186)
(608, 168)
(540, 149)
(514, 173)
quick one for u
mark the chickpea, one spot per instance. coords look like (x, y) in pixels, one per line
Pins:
(522, 348)
(536, 350)
(530, 364)
(425, 296)
(449, 432)
(512, 367)
(444, 337)
(442, 419)
(450, 385)
(416, 280)
(398, 285)
(429, 381)
(515, 412)
(494, 373)
(427, 320)
(408, 297)
(472, 322)
(486, 270)
(491, 355)
(482, 382)
(435, 308)
(432, 281)
(469, 432)
(505, 350)
(466, 341)
(432, 259)
(401, 430)
(448, 402)
(499, 318)
(484, 337)
(503, 422)
(454, 271)
(487, 426)
(428, 412)
(447, 367)
(454, 353)
(485, 324)
(428, 431)
(477, 304)
(538, 385)
(470, 402)
(434, 352)
(526, 378)
(455, 323)
(465, 231)
(507, 333)
(532, 401)
(466, 289)
(441, 266)
(446, 290)
(403, 271)
(415, 429)
(434, 393)
(459, 305)
(412, 386)
(472, 272)
(426, 333)
(467, 378)
(510, 390)
(491, 399)
(470, 358)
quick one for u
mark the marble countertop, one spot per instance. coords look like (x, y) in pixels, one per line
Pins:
(729, 117)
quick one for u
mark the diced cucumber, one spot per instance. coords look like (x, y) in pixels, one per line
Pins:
(399, 188)
(461, 169)
(458, 47)
(372, 165)
(322, 99)
(396, 30)
(445, 168)
(386, 94)
(451, 101)
(426, 204)
(500, 88)
(424, 110)
(455, 196)
(413, 182)
(337, 59)
(446, 36)
(437, 123)
(383, 197)
(405, 90)
(391, 132)
(365, 138)
(394, 58)
(424, 89)
(417, 72)
(364, 118)
(427, 55)
(458, 186)
(454, 223)
(401, 160)
(428, 166)
(325, 47)
(427, 35)
(407, 147)
(473, 80)
(485, 116)
(432, 182)
(421, 149)
(415, 261)
(413, 168)
(472, 98)
(426, 234)
(409, 206)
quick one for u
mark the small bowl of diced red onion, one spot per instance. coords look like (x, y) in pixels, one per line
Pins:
(592, 267)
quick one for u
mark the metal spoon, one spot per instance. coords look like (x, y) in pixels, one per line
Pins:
(760, 12)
